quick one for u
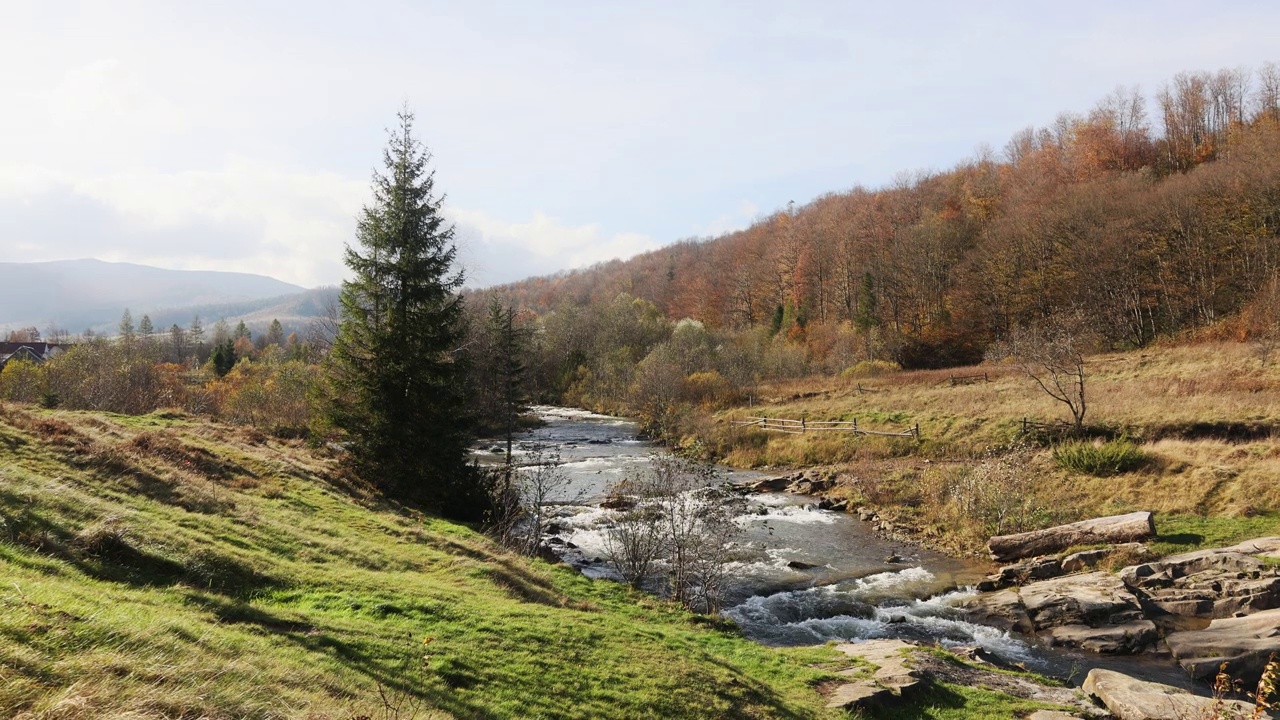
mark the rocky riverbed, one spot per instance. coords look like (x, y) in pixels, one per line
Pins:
(818, 570)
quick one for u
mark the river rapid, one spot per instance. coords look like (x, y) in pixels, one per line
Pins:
(804, 575)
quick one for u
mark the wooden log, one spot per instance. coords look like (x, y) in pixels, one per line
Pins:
(1113, 529)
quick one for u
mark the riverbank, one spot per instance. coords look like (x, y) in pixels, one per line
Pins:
(1202, 420)
(165, 566)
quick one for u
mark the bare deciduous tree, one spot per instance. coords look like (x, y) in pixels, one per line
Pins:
(1052, 354)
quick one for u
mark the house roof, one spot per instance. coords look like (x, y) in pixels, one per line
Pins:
(34, 351)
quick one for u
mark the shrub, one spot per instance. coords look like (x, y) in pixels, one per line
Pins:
(870, 368)
(1099, 459)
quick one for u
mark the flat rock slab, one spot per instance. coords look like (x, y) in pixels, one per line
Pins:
(1244, 644)
(1002, 609)
(1131, 699)
(1267, 547)
(1123, 639)
(1052, 715)
(1093, 599)
(890, 680)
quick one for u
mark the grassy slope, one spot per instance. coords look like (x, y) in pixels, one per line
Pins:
(1170, 399)
(165, 567)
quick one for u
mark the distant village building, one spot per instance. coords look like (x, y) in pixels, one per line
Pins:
(36, 352)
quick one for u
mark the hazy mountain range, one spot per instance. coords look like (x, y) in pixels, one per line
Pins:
(76, 295)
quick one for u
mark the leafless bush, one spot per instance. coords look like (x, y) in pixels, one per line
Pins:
(521, 498)
(1001, 492)
(680, 529)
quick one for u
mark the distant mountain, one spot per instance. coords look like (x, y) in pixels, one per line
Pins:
(296, 312)
(80, 294)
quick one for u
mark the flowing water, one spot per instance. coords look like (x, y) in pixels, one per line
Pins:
(803, 575)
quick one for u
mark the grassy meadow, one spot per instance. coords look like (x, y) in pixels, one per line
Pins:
(1198, 420)
(167, 567)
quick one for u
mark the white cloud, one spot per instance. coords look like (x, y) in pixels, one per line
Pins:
(245, 216)
(495, 251)
(729, 222)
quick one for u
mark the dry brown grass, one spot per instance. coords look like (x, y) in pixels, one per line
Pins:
(1204, 414)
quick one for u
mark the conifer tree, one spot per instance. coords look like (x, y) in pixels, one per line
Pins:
(126, 326)
(508, 348)
(397, 379)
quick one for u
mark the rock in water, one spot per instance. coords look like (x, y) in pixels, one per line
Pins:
(1130, 699)
(1244, 644)
(1093, 611)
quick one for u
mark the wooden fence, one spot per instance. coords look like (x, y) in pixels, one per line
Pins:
(1055, 428)
(968, 379)
(802, 426)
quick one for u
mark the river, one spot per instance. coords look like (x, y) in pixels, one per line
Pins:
(805, 575)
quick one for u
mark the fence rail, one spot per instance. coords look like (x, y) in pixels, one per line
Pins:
(803, 426)
(968, 379)
(1061, 426)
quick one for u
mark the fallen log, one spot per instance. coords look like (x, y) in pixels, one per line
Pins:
(1114, 529)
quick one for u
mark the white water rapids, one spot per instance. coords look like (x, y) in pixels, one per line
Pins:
(803, 575)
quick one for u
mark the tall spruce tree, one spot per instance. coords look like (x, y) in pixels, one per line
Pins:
(397, 380)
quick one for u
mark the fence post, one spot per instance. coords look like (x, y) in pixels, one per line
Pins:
(1024, 426)
(985, 378)
(803, 426)
(855, 424)
(917, 432)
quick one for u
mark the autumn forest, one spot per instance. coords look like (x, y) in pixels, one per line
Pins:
(1154, 217)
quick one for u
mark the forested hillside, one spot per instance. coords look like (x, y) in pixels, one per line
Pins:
(1154, 222)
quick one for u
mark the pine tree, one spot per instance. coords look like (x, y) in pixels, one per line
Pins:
(275, 333)
(398, 383)
(507, 368)
(223, 357)
(126, 326)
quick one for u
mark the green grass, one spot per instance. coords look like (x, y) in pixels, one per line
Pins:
(1182, 533)
(206, 571)
(1099, 459)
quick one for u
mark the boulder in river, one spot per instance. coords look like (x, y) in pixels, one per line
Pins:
(774, 484)
(1131, 699)
(1245, 644)
(1114, 529)
(1091, 611)
(1096, 598)
(1124, 639)
(1002, 609)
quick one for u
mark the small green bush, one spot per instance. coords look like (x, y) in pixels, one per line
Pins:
(1101, 460)
(870, 368)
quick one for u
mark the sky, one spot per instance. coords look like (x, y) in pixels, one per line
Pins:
(243, 135)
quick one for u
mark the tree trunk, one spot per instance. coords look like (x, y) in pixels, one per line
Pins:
(1114, 529)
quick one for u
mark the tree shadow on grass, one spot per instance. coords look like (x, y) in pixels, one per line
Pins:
(106, 551)
(1181, 539)
(452, 673)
